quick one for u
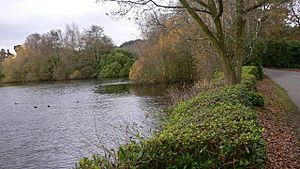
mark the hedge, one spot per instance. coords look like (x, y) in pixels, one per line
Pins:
(216, 129)
(278, 53)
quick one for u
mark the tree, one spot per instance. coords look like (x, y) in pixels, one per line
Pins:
(294, 7)
(95, 42)
(58, 55)
(167, 56)
(116, 64)
(212, 17)
(72, 38)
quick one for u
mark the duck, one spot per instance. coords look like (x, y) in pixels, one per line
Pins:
(35, 107)
(48, 105)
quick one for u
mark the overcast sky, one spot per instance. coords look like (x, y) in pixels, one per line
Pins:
(20, 18)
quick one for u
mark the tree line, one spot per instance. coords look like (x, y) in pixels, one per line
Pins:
(68, 54)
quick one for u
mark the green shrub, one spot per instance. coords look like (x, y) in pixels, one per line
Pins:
(256, 99)
(116, 64)
(249, 76)
(215, 129)
(278, 53)
(221, 136)
(96, 162)
(111, 70)
(273, 53)
(250, 70)
(253, 58)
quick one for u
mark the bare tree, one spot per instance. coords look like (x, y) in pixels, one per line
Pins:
(72, 37)
(295, 13)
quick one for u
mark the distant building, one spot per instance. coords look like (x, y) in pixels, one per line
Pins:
(2, 55)
(5, 54)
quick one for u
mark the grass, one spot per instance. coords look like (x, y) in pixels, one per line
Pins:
(283, 100)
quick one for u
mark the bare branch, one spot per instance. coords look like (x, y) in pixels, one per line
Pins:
(145, 2)
(203, 4)
(257, 5)
(220, 9)
(203, 26)
(264, 2)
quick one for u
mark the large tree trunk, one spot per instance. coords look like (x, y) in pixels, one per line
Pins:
(230, 75)
(240, 38)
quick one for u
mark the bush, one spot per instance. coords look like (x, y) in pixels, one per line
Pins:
(116, 64)
(273, 53)
(215, 129)
(282, 53)
(221, 136)
(252, 58)
(164, 62)
(96, 162)
(1, 72)
(76, 75)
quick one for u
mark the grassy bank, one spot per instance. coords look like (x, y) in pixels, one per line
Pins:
(277, 117)
(215, 129)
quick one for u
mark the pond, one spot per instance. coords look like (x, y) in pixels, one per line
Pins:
(52, 125)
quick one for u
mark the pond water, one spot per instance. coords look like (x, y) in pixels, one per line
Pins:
(52, 125)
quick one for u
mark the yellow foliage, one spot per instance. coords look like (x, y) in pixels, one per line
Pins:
(76, 75)
(163, 62)
(21, 51)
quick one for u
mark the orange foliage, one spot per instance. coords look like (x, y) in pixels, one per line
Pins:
(168, 60)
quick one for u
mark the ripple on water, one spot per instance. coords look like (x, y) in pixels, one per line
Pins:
(56, 136)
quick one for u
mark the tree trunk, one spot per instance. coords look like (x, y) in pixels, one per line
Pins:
(228, 69)
(240, 38)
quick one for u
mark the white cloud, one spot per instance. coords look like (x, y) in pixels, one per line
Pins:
(19, 18)
(61, 8)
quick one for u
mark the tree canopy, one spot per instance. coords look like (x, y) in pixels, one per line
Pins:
(58, 55)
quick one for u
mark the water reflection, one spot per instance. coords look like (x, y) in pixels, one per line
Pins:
(138, 90)
(113, 89)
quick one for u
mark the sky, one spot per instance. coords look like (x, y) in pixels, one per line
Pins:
(20, 18)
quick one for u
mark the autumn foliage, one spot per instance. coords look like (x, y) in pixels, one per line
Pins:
(166, 57)
(58, 55)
